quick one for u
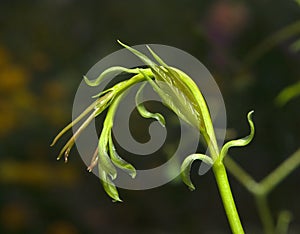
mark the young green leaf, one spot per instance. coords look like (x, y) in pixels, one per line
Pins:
(177, 78)
(104, 160)
(143, 111)
(187, 164)
(118, 161)
(174, 99)
(106, 164)
(112, 70)
(179, 92)
(103, 146)
(108, 185)
(239, 142)
(140, 55)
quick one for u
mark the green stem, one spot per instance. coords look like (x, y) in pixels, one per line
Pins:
(281, 172)
(224, 188)
(265, 213)
(261, 190)
(227, 198)
(256, 190)
(241, 175)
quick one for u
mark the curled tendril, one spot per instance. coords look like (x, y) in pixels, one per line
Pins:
(187, 163)
(239, 142)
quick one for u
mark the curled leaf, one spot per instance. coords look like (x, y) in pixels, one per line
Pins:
(112, 70)
(187, 164)
(106, 164)
(104, 160)
(143, 111)
(108, 185)
(239, 142)
(118, 161)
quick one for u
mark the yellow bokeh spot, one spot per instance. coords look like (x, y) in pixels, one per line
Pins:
(13, 77)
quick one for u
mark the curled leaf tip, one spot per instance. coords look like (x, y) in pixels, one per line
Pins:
(121, 43)
(109, 186)
(144, 112)
(117, 200)
(186, 167)
(89, 82)
(86, 79)
(117, 160)
(250, 114)
(239, 142)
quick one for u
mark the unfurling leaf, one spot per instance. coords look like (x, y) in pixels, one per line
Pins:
(104, 74)
(144, 112)
(239, 142)
(108, 185)
(180, 93)
(187, 164)
(187, 87)
(174, 92)
(106, 164)
(103, 159)
(118, 161)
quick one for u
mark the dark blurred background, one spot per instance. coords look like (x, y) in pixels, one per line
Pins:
(46, 47)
